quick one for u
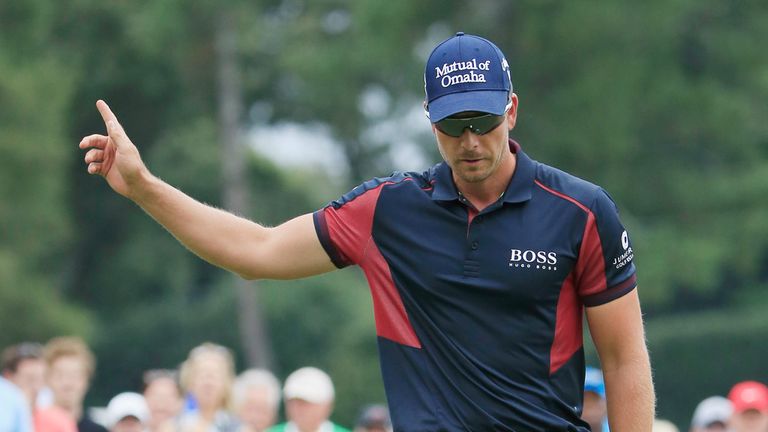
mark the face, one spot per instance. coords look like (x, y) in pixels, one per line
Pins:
(163, 399)
(474, 158)
(749, 421)
(210, 380)
(128, 424)
(29, 377)
(594, 409)
(308, 416)
(68, 380)
(257, 409)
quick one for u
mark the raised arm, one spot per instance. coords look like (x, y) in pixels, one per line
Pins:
(291, 250)
(617, 330)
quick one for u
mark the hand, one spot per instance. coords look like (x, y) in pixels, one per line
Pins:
(114, 156)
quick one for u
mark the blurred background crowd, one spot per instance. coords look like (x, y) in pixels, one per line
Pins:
(43, 389)
(272, 108)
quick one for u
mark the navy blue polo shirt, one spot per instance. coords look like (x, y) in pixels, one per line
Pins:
(479, 315)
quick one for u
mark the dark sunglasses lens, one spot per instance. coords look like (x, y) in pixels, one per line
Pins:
(485, 124)
(452, 127)
(478, 125)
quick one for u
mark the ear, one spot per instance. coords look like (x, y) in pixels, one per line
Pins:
(512, 113)
(426, 114)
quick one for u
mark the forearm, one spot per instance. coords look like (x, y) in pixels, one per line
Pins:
(291, 250)
(215, 235)
(630, 395)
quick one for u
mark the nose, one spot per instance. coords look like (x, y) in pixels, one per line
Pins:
(468, 139)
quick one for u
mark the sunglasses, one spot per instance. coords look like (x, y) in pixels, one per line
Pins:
(480, 125)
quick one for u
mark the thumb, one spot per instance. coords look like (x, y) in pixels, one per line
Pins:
(114, 129)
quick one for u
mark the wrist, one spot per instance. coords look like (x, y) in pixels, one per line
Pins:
(143, 187)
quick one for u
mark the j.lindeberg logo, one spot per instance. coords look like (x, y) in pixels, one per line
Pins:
(531, 259)
(627, 256)
(446, 80)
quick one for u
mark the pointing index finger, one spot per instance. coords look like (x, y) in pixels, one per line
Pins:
(108, 116)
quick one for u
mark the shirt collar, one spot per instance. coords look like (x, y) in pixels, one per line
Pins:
(327, 426)
(519, 188)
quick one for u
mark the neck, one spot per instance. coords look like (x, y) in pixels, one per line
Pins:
(208, 413)
(75, 411)
(486, 192)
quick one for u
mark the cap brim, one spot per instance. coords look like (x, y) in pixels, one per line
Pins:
(487, 101)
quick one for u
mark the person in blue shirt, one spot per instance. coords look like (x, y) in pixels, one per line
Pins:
(595, 409)
(480, 267)
(14, 410)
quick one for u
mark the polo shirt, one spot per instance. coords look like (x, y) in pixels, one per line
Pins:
(479, 314)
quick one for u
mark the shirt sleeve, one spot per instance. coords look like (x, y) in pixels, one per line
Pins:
(344, 226)
(605, 267)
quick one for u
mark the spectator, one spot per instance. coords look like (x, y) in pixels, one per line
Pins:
(207, 376)
(595, 408)
(163, 397)
(711, 415)
(661, 425)
(256, 397)
(24, 366)
(374, 418)
(70, 367)
(127, 412)
(750, 407)
(309, 396)
(14, 411)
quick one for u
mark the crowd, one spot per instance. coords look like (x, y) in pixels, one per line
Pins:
(42, 389)
(744, 410)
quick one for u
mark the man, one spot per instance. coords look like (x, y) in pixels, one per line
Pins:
(750, 407)
(595, 409)
(24, 366)
(309, 396)
(479, 268)
(71, 365)
(163, 397)
(256, 399)
(374, 418)
(711, 415)
(127, 412)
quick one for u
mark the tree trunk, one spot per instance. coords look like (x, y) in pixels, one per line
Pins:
(253, 334)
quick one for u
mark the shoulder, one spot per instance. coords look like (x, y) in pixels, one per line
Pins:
(581, 193)
(87, 425)
(398, 180)
(10, 390)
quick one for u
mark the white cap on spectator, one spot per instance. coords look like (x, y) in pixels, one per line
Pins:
(127, 404)
(710, 410)
(309, 384)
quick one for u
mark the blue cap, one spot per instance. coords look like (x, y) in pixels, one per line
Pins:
(466, 73)
(593, 381)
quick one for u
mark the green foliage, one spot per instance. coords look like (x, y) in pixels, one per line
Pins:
(705, 354)
(35, 222)
(31, 310)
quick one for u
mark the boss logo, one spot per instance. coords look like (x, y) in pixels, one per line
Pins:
(533, 259)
